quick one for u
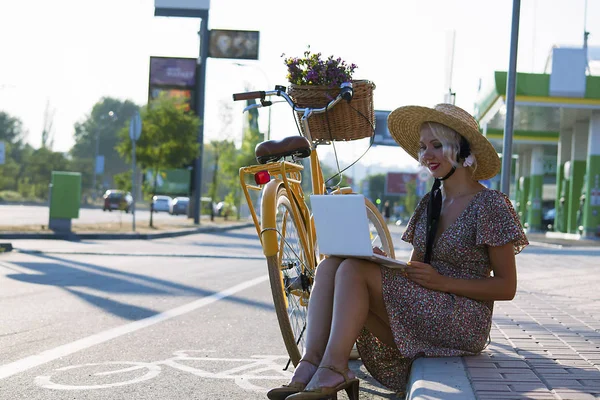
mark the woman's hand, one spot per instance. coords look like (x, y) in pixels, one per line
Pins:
(377, 250)
(425, 275)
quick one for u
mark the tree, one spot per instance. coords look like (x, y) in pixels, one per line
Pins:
(220, 148)
(222, 151)
(168, 139)
(38, 170)
(245, 156)
(410, 200)
(48, 130)
(16, 151)
(11, 129)
(101, 128)
(376, 186)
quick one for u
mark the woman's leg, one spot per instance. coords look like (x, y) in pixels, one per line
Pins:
(320, 308)
(358, 302)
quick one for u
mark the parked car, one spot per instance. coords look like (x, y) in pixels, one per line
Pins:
(179, 205)
(548, 219)
(117, 200)
(161, 203)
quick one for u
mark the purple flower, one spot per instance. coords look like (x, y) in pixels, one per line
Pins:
(313, 70)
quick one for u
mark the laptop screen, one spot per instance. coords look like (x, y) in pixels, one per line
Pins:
(342, 225)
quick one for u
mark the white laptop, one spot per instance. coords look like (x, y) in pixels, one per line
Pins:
(342, 228)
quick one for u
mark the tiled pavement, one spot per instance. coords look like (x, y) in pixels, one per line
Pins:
(546, 342)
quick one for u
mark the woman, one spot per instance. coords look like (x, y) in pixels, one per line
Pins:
(442, 304)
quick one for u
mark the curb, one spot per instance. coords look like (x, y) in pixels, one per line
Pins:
(439, 378)
(120, 236)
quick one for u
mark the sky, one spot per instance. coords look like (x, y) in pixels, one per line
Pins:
(70, 53)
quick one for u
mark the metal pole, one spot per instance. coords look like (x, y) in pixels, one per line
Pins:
(510, 99)
(200, 84)
(269, 125)
(96, 163)
(133, 183)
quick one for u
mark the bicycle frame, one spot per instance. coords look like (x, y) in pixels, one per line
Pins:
(287, 174)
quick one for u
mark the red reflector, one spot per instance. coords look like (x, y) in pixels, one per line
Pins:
(262, 177)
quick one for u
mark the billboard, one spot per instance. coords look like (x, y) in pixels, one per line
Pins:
(176, 77)
(233, 44)
(395, 182)
(171, 181)
(185, 95)
(181, 8)
(382, 135)
(173, 72)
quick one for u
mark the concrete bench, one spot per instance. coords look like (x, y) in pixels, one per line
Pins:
(439, 378)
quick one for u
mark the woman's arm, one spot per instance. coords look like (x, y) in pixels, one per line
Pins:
(502, 286)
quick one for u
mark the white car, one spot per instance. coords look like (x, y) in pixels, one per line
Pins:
(179, 205)
(161, 203)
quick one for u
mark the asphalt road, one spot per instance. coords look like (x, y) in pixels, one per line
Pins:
(14, 215)
(180, 318)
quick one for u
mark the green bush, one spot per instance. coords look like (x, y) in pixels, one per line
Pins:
(10, 195)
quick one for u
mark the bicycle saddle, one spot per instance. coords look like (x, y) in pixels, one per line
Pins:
(274, 150)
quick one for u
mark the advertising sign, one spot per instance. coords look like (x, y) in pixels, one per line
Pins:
(395, 182)
(233, 44)
(181, 8)
(382, 134)
(100, 164)
(185, 95)
(173, 72)
(171, 181)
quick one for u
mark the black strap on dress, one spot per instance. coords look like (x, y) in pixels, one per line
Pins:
(434, 209)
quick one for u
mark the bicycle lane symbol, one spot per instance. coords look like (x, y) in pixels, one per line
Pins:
(112, 374)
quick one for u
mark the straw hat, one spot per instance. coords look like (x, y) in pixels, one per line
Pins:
(405, 123)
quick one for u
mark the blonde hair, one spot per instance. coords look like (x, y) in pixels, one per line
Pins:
(450, 140)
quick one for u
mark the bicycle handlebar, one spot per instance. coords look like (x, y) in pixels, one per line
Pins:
(346, 93)
(249, 95)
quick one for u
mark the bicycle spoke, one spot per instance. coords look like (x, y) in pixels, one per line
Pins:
(296, 273)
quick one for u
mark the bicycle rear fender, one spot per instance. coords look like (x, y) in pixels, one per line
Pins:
(268, 224)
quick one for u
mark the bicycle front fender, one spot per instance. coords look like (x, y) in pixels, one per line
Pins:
(268, 211)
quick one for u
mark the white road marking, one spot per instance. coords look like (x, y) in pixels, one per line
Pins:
(24, 364)
(257, 368)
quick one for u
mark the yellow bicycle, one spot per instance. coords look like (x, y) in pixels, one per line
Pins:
(286, 227)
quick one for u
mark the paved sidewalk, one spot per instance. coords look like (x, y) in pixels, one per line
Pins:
(546, 342)
(542, 238)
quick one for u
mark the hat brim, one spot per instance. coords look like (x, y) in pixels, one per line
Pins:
(404, 124)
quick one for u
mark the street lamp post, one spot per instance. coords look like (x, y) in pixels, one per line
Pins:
(268, 136)
(193, 9)
(510, 99)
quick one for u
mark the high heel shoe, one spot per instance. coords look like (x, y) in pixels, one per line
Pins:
(324, 392)
(284, 391)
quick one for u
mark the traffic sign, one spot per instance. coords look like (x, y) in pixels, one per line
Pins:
(2, 153)
(135, 127)
(99, 164)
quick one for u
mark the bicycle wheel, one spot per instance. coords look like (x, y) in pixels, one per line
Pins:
(380, 234)
(291, 274)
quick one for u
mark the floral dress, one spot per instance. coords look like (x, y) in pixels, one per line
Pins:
(429, 323)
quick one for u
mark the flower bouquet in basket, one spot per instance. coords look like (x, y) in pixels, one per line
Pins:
(314, 82)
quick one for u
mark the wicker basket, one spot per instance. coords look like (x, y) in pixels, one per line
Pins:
(344, 121)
